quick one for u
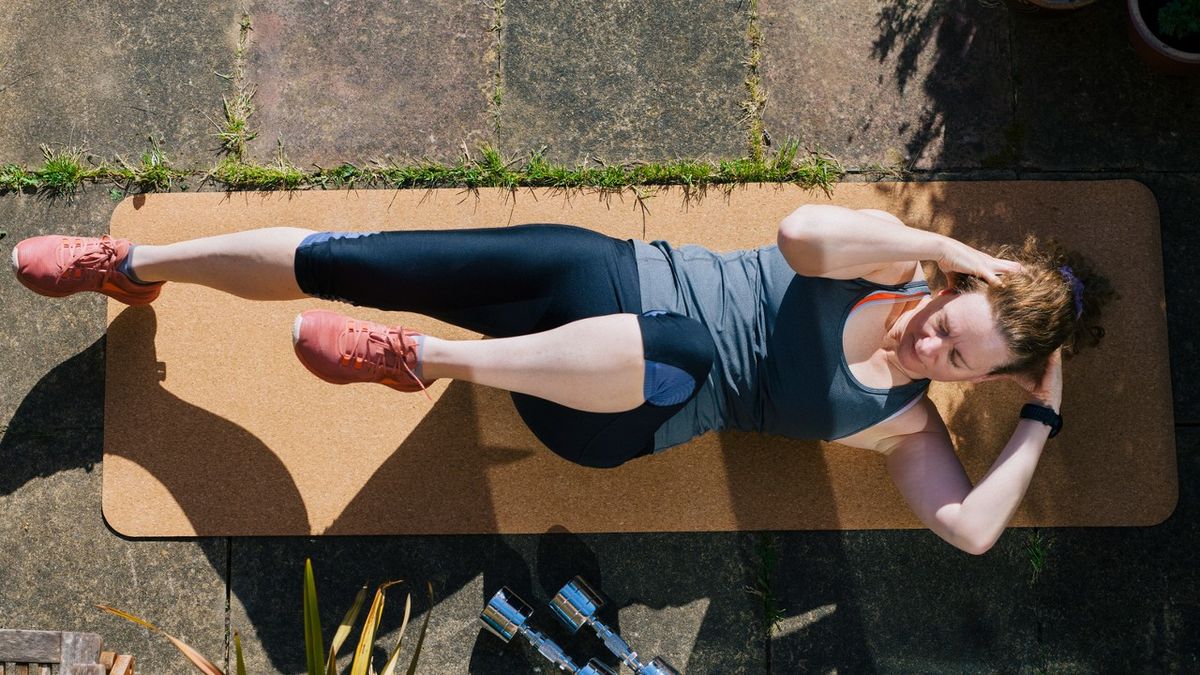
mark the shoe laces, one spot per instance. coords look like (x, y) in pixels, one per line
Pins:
(77, 256)
(373, 347)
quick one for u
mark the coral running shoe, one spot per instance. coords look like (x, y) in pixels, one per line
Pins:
(342, 350)
(57, 266)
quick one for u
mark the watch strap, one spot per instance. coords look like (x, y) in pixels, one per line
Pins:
(1047, 416)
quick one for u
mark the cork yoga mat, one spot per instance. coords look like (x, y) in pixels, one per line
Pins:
(212, 427)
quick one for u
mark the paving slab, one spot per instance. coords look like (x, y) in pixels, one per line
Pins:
(1178, 202)
(373, 80)
(923, 84)
(678, 596)
(609, 79)
(107, 76)
(57, 556)
(1106, 599)
(1085, 101)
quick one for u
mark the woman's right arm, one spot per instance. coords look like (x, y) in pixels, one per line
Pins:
(823, 240)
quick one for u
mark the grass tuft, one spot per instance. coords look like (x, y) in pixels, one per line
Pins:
(62, 172)
(1037, 550)
(14, 178)
(767, 549)
(234, 132)
(153, 174)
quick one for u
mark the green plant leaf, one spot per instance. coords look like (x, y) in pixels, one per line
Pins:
(237, 651)
(394, 657)
(412, 666)
(366, 640)
(343, 630)
(202, 664)
(313, 648)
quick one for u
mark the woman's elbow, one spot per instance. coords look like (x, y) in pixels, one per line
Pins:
(963, 535)
(799, 240)
(974, 546)
(793, 227)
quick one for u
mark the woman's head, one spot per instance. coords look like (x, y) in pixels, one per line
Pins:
(1054, 301)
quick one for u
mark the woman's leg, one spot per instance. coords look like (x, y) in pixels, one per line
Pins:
(255, 264)
(593, 365)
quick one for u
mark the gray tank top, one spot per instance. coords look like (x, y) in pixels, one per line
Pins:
(780, 366)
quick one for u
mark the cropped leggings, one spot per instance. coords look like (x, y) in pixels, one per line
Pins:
(509, 281)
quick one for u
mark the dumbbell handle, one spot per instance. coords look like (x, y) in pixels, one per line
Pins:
(549, 649)
(615, 644)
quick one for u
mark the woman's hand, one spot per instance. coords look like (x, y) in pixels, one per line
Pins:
(1047, 389)
(958, 258)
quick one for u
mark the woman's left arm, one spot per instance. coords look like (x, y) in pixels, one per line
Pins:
(932, 480)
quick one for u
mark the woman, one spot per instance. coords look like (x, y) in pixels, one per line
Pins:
(615, 349)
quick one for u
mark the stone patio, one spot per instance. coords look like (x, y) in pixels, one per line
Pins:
(962, 91)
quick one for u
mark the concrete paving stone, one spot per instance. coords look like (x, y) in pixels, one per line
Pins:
(57, 557)
(106, 76)
(610, 79)
(924, 84)
(1085, 100)
(680, 596)
(1178, 198)
(362, 81)
(1106, 600)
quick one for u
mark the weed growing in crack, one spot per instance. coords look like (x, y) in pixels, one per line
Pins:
(234, 133)
(752, 107)
(1037, 549)
(14, 178)
(767, 549)
(63, 171)
(153, 174)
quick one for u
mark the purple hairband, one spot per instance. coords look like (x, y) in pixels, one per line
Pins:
(1076, 288)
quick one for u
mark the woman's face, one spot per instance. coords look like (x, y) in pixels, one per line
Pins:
(953, 338)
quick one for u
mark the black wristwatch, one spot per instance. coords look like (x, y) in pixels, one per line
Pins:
(1047, 416)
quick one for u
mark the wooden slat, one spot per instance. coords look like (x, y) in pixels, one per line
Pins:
(80, 649)
(30, 646)
(122, 666)
(89, 669)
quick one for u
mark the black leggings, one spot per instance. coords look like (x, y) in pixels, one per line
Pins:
(511, 281)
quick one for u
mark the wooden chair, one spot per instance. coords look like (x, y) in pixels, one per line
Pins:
(42, 652)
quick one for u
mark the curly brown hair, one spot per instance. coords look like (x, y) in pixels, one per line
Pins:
(1035, 309)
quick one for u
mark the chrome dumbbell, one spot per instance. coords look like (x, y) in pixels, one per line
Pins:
(576, 605)
(507, 616)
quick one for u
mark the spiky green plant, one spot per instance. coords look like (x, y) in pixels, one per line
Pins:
(314, 648)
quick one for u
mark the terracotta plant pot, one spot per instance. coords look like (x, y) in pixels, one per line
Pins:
(1153, 50)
